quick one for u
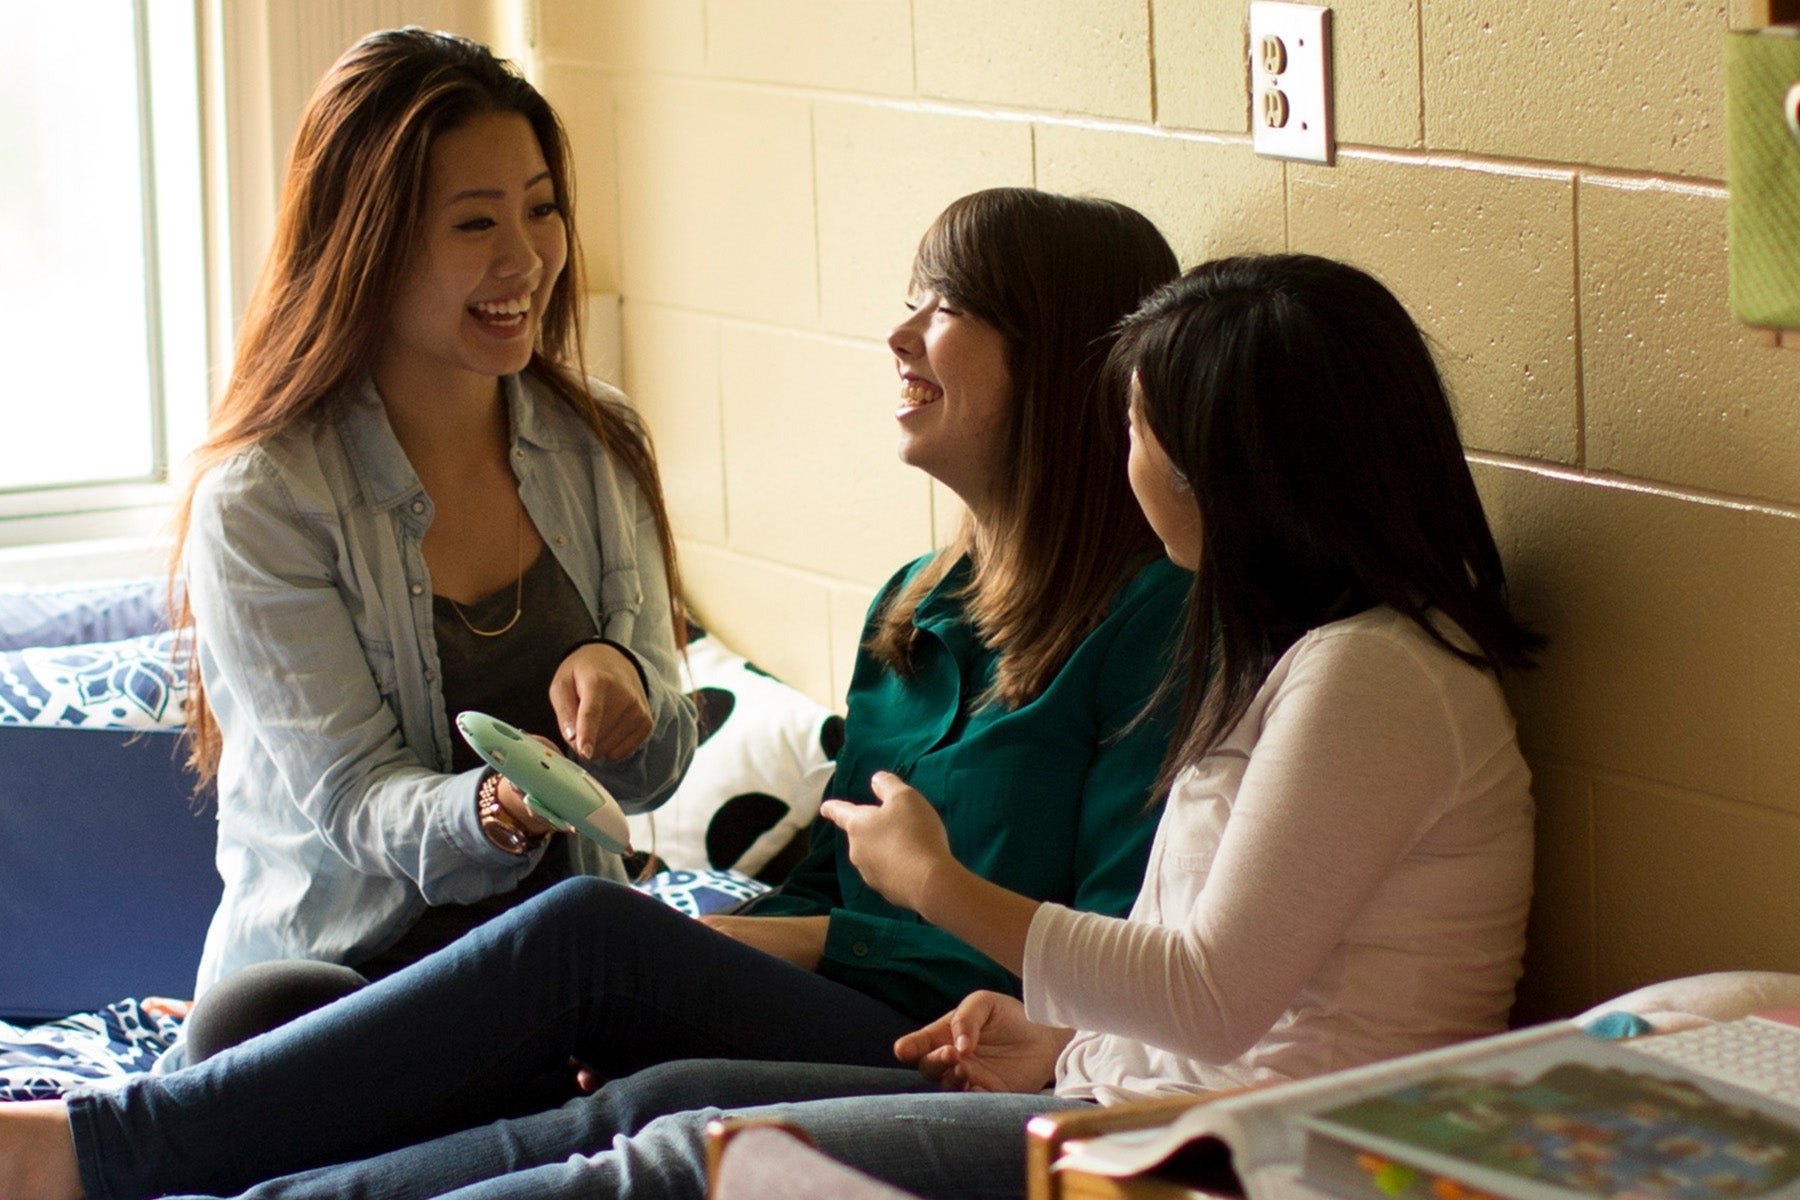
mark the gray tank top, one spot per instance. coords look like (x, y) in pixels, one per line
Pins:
(506, 676)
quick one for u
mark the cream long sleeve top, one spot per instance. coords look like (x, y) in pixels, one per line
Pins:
(1344, 879)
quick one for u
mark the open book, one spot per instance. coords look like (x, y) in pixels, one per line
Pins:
(1548, 1113)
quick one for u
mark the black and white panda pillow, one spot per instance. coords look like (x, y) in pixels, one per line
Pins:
(766, 753)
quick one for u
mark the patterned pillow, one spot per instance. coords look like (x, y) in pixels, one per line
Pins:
(764, 758)
(134, 683)
(698, 893)
(41, 1062)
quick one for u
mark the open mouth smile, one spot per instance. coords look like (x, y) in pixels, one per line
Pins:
(917, 393)
(504, 315)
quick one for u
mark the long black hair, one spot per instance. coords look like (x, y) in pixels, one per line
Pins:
(1301, 403)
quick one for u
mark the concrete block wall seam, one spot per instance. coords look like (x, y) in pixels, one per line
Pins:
(813, 43)
(1642, 486)
(1432, 155)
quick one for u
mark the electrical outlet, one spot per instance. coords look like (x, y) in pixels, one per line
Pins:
(1290, 80)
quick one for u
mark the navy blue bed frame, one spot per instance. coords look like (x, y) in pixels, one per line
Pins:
(107, 880)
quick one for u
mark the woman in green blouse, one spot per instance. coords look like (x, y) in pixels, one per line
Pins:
(1001, 676)
(1007, 678)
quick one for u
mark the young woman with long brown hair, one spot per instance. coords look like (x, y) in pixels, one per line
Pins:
(411, 502)
(410, 506)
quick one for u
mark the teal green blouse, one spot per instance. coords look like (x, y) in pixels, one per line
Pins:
(1046, 799)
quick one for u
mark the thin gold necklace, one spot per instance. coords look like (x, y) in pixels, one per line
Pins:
(518, 585)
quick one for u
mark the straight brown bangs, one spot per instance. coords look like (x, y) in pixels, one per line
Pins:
(958, 260)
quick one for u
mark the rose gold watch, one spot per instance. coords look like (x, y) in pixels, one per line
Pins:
(500, 826)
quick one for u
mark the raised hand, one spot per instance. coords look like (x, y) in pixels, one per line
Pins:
(897, 843)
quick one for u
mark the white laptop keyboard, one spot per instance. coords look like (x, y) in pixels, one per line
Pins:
(1754, 1053)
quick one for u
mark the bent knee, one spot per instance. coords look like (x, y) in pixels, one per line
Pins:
(583, 892)
(261, 997)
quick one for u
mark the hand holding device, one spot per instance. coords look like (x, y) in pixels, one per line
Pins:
(556, 788)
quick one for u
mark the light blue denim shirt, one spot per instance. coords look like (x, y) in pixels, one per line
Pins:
(338, 822)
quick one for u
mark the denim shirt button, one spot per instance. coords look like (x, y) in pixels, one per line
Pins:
(430, 675)
(518, 452)
(418, 589)
(418, 506)
(860, 949)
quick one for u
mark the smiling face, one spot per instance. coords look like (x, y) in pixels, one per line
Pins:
(1166, 498)
(955, 396)
(492, 246)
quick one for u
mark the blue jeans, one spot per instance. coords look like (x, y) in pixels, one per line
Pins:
(484, 1029)
(885, 1122)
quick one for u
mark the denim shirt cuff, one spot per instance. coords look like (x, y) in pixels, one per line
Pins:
(630, 655)
(461, 825)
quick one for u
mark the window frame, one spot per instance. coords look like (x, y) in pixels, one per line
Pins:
(171, 123)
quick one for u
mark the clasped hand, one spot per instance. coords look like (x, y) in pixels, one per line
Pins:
(600, 704)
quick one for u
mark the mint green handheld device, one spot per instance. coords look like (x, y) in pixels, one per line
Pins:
(556, 787)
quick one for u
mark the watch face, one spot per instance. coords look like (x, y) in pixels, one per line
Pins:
(504, 836)
(496, 822)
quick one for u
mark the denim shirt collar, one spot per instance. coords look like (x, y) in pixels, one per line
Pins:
(385, 476)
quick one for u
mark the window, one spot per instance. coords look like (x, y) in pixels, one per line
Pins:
(102, 242)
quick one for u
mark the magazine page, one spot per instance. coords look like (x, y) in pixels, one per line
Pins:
(1568, 1119)
(1258, 1129)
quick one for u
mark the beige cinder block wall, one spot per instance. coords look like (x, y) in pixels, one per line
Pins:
(1540, 180)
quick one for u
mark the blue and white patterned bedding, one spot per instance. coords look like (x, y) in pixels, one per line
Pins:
(699, 893)
(134, 683)
(41, 1062)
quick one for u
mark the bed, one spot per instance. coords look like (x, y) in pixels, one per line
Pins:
(107, 881)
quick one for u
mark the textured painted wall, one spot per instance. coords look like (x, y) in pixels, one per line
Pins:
(1541, 182)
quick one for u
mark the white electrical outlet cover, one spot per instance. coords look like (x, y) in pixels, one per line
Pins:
(1290, 110)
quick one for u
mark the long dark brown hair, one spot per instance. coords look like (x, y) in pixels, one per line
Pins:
(1300, 402)
(351, 210)
(1052, 274)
